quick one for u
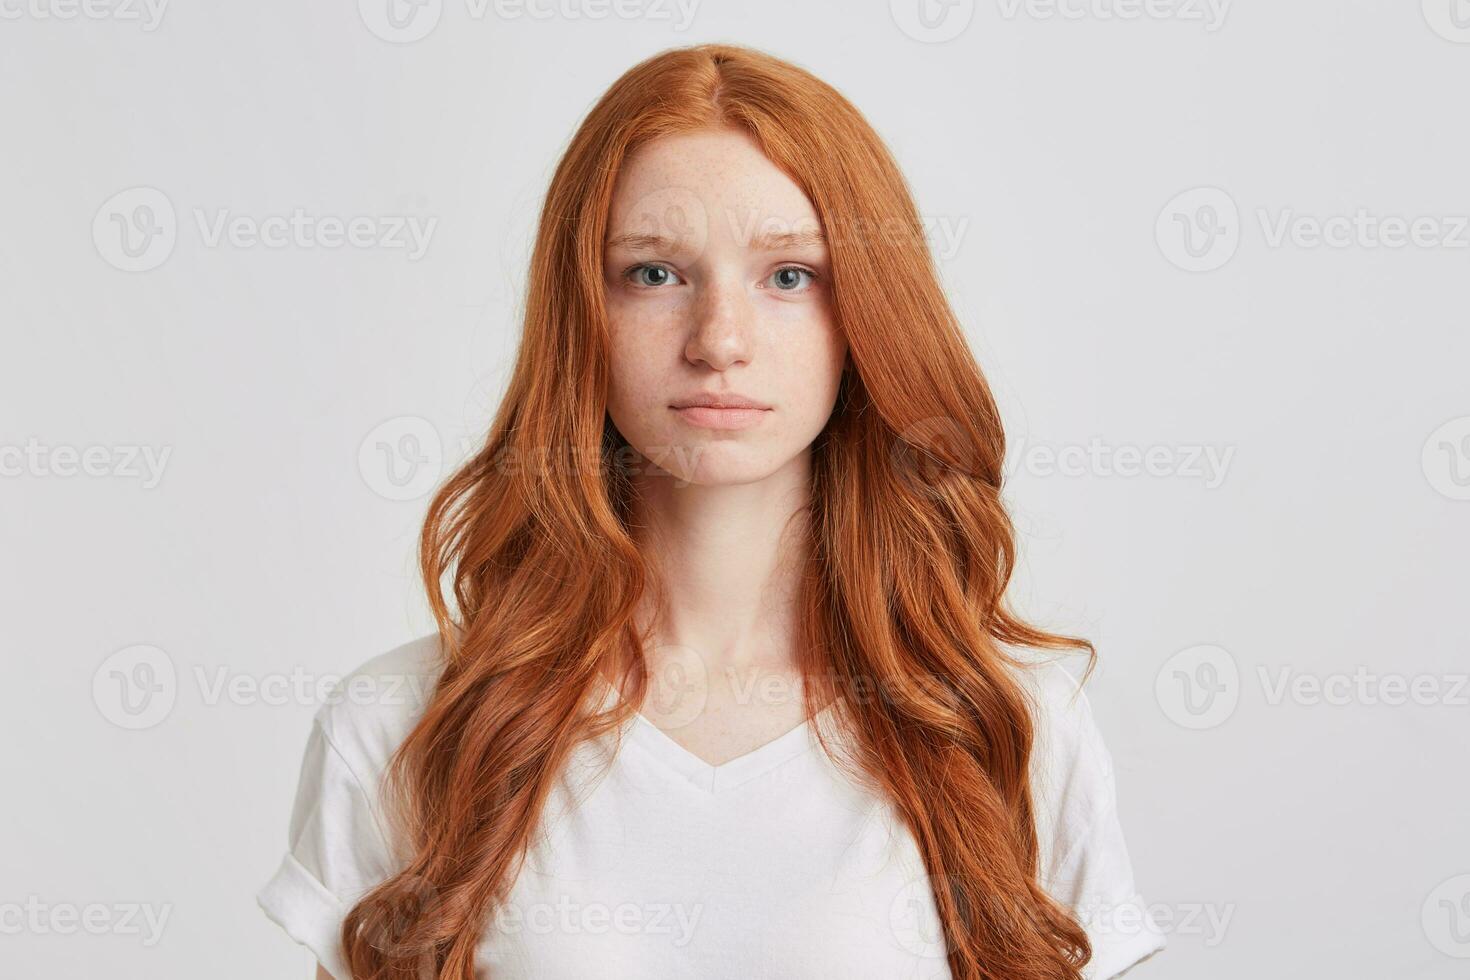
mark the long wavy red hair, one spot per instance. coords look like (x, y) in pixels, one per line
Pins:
(534, 579)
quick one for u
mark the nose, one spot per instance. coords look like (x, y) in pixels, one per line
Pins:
(721, 335)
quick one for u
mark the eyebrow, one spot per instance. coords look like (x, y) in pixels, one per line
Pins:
(766, 241)
(773, 240)
(635, 240)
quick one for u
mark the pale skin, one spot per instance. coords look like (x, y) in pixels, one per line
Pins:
(725, 311)
(729, 312)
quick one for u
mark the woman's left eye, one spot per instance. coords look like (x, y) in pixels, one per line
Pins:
(788, 278)
(661, 275)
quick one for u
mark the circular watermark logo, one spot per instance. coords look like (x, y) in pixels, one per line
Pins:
(135, 230)
(136, 687)
(390, 919)
(400, 21)
(1450, 19)
(932, 21)
(1199, 230)
(914, 918)
(1446, 917)
(1198, 687)
(678, 688)
(672, 218)
(401, 459)
(1446, 459)
(920, 453)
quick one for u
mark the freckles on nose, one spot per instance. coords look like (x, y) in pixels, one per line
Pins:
(724, 306)
(722, 332)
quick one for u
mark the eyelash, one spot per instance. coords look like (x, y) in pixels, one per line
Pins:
(629, 273)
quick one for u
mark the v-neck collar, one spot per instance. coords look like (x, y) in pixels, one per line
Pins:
(660, 746)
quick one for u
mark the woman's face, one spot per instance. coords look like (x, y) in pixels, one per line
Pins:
(718, 286)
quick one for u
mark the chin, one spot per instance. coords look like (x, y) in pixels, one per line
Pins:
(727, 476)
(715, 463)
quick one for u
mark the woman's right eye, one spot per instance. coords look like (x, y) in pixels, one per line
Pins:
(651, 276)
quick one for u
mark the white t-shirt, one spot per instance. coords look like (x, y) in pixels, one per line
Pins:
(659, 865)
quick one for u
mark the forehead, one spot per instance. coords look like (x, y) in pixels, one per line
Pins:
(716, 178)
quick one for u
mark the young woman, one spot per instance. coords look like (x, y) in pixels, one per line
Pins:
(724, 683)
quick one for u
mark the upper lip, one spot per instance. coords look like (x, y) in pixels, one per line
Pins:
(712, 400)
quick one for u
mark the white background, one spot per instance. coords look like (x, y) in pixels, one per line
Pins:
(1047, 142)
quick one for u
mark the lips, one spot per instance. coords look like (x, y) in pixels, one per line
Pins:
(718, 401)
(722, 411)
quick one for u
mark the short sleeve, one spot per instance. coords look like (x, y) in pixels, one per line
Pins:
(337, 852)
(1084, 862)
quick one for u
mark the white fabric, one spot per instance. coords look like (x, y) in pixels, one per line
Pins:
(773, 865)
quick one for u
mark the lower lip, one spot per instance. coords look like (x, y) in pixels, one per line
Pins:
(721, 418)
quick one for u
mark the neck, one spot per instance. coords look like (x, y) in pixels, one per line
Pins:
(730, 557)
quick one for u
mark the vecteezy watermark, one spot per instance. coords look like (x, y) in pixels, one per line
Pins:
(1198, 687)
(677, 462)
(222, 685)
(927, 450)
(1210, 13)
(937, 21)
(1363, 686)
(932, 21)
(1200, 229)
(676, 221)
(1208, 464)
(148, 14)
(138, 687)
(1363, 229)
(1207, 921)
(1445, 459)
(402, 458)
(916, 925)
(122, 462)
(942, 234)
(1446, 917)
(918, 928)
(135, 687)
(1201, 686)
(913, 915)
(39, 918)
(563, 917)
(137, 229)
(678, 686)
(1450, 19)
(406, 21)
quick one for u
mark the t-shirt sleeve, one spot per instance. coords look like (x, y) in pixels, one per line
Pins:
(1084, 857)
(337, 851)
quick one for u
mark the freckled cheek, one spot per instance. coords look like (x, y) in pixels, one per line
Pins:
(643, 343)
(644, 314)
(824, 347)
(637, 382)
(806, 379)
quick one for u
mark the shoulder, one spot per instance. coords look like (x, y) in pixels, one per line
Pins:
(1060, 709)
(371, 710)
(1071, 769)
(340, 842)
(1082, 852)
